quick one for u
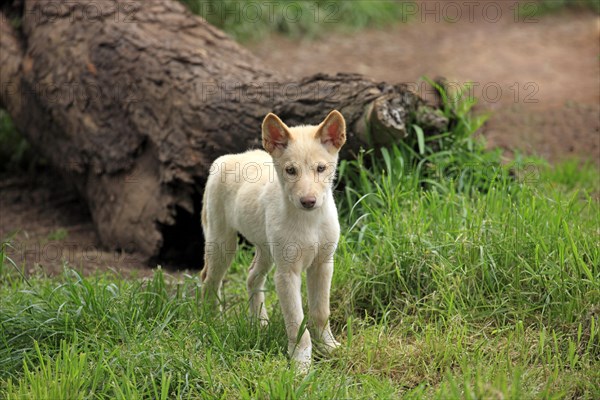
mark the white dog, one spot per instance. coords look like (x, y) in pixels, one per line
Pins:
(281, 201)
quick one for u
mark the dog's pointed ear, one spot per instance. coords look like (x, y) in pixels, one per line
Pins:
(275, 134)
(332, 131)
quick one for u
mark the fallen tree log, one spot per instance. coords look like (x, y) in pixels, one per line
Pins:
(132, 101)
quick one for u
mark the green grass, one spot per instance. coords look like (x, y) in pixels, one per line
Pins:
(57, 235)
(456, 277)
(253, 20)
(250, 20)
(542, 7)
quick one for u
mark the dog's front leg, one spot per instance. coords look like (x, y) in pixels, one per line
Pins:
(318, 284)
(288, 282)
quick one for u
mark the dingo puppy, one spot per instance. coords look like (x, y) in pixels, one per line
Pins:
(281, 201)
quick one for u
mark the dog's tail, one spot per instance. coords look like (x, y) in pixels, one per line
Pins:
(203, 214)
(203, 218)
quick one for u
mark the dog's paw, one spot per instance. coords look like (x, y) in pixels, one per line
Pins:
(262, 322)
(332, 345)
(301, 366)
(326, 343)
(326, 348)
(301, 357)
(261, 319)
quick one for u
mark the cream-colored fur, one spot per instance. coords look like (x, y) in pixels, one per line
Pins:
(281, 201)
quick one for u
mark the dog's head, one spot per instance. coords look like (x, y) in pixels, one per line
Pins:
(305, 157)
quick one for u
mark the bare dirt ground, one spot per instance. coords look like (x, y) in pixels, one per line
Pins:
(540, 78)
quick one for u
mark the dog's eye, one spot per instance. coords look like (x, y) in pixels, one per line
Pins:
(320, 168)
(290, 170)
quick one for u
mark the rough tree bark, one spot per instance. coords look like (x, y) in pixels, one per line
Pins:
(132, 101)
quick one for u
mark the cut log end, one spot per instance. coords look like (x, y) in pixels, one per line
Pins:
(388, 119)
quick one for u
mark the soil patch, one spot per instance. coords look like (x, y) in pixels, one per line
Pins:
(538, 76)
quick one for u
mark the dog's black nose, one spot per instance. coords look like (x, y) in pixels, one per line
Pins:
(308, 201)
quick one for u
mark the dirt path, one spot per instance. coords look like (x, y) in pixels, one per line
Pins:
(50, 225)
(540, 77)
(555, 112)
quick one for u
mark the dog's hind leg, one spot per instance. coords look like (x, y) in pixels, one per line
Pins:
(219, 250)
(261, 264)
